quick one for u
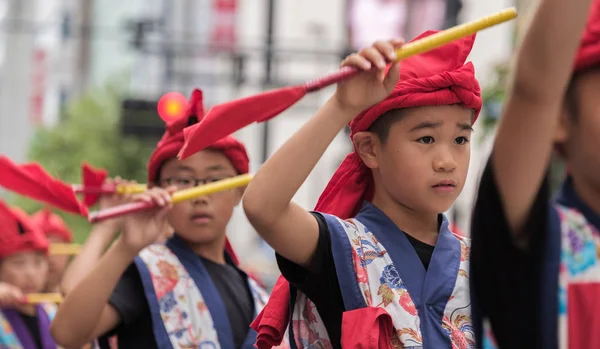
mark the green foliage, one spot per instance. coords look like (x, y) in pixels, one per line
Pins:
(89, 131)
(493, 99)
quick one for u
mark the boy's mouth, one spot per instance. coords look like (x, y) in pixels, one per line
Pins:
(201, 218)
(445, 185)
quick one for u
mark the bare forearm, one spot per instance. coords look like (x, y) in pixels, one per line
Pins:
(274, 186)
(546, 55)
(83, 306)
(98, 241)
(525, 136)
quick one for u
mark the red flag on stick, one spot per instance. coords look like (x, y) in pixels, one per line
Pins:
(33, 181)
(224, 119)
(93, 178)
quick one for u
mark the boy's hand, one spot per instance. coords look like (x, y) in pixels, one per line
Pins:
(10, 296)
(143, 228)
(374, 85)
(112, 200)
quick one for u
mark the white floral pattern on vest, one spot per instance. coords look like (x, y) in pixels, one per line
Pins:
(182, 307)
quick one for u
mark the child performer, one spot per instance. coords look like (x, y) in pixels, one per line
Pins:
(535, 262)
(377, 260)
(188, 292)
(56, 231)
(23, 269)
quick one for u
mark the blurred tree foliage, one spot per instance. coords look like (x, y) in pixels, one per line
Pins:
(89, 131)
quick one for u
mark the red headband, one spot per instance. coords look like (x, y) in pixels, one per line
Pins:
(589, 51)
(18, 234)
(51, 225)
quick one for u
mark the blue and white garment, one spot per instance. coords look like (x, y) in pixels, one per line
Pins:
(186, 308)
(377, 267)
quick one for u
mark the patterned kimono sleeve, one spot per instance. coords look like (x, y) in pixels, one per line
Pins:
(506, 279)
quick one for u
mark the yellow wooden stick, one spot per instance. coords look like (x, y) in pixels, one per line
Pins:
(131, 189)
(211, 188)
(35, 298)
(179, 196)
(441, 38)
(56, 249)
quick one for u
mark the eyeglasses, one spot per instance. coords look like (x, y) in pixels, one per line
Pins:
(190, 182)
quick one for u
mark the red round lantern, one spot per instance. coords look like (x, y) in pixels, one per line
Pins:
(171, 106)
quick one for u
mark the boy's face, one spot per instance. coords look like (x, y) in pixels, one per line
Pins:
(26, 270)
(56, 264)
(202, 220)
(424, 162)
(580, 134)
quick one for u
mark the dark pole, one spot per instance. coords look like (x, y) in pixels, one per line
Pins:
(268, 70)
(167, 21)
(453, 8)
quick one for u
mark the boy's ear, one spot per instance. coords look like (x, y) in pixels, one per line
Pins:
(366, 145)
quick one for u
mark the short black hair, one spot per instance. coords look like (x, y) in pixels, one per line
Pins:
(381, 127)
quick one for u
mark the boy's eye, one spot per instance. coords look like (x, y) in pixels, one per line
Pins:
(181, 181)
(461, 140)
(426, 140)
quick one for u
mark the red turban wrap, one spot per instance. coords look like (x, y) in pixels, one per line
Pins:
(438, 77)
(172, 141)
(18, 233)
(51, 224)
(589, 51)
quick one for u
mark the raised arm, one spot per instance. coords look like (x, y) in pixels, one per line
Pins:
(98, 240)
(524, 141)
(291, 230)
(85, 313)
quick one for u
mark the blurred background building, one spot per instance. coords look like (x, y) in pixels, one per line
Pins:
(52, 52)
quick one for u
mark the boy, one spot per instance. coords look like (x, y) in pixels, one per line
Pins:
(409, 165)
(188, 292)
(23, 269)
(55, 230)
(535, 275)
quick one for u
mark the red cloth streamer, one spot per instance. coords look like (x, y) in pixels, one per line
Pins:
(582, 315)
(367, 328)
(224, 119)
(272, 321)
(588, 55)
(51, 224)
(92, 178)
(437, 77)
(172, 141)
(33, 181)
(18, 233)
